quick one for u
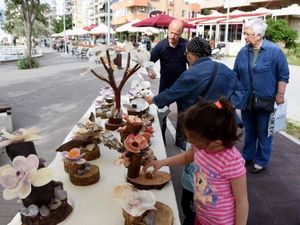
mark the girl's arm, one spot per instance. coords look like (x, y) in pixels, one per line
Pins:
(239, 189)
(179, 159)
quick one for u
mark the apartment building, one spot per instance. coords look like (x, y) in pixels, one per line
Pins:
(64, 7)
(80, 14)
(98, 11)
(245, 5)
(125, 11)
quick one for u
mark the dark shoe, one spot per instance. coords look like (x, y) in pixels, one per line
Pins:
(248, 162)
(255, 170)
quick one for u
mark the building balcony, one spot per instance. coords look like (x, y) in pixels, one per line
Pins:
(129, 3)
(125, 19)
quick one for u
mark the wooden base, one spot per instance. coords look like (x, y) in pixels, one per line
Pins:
(88, 178)
(91, 155)
(163, 216)
(144, 182)
(113, 126)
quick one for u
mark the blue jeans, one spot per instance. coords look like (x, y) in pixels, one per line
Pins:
(258, 145)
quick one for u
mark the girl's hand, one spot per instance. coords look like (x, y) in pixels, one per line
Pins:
(156, 164)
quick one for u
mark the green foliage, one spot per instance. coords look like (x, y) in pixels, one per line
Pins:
(58, 25)
(23, 64)
(293, 55)
(14, 23)
(293, 128)
(280, 31)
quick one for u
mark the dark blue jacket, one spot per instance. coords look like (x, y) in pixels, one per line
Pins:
(270, 68)
(193, 82)
(172, 61)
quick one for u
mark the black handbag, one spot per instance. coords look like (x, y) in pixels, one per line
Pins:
(261, 103)
(255, 102)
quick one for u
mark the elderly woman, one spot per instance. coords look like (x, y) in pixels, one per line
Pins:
(263, 71)
(186, 90)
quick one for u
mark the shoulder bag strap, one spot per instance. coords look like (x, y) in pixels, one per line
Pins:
(250, 72)
(212, 78)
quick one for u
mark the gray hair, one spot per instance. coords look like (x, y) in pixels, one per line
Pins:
(257, 25)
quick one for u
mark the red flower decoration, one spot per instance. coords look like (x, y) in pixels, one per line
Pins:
(135, 143)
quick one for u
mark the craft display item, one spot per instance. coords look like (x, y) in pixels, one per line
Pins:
(81, 173)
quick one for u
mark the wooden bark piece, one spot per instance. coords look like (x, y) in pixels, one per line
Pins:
(144, 183)
(91, 155)
(163, 216)
(88, 178)
(135, 165)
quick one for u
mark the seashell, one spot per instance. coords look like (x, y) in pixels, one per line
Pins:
(23, 210)
(134, 201)
(33, 210)
(55, 204)
(44, 211)
(80, 125)
(90, 147)
(80, 172)
(82, 130)
(60, 194)
(149, 219)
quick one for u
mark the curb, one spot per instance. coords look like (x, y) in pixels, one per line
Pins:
(293, 139)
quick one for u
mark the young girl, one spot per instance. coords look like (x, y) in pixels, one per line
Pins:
(220, 192)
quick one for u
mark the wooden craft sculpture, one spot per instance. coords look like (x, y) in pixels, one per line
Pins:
(43, 200)
(115, 120)
(140, 207)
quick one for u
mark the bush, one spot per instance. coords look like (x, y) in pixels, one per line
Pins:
(280, 31)
(23, 64)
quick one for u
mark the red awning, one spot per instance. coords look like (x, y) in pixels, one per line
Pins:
(159, 21)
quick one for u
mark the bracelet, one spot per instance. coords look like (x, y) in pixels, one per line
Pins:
(280, 94)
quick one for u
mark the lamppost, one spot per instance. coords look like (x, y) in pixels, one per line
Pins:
(64, 19)
(227, 26)
(108, 22)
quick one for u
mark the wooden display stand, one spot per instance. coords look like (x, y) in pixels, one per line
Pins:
(162, 216)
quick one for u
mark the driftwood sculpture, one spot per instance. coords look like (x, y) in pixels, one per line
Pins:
(115, 120)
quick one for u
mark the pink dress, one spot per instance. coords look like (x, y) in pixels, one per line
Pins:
(213, 196)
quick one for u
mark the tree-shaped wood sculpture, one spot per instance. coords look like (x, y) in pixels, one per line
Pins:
(115, 120)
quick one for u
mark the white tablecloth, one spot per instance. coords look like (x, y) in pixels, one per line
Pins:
(94, 205)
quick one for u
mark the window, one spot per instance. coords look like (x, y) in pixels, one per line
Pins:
(234, 32)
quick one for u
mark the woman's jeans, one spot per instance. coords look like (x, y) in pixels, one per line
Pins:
(258, 145)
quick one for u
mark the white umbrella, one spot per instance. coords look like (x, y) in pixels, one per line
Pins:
(69, 32)
(101, 29)
(80, 31)
(128, 27)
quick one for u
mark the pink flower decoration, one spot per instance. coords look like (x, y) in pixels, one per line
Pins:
(18, 178)
(74, 156)
(135, 143)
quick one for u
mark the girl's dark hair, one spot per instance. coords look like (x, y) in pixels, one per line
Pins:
(212, 122)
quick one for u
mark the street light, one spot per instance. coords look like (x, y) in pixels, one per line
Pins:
(108, 22)
(227, 26)
(64, 19)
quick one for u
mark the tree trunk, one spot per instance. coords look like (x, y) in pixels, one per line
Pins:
(28, 32)
(135, 165)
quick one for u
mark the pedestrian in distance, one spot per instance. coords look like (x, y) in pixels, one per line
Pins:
(220, 188)
(170, 52)
(264, 73)
(208, 79)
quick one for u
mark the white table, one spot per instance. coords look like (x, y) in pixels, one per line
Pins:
(94, 205)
